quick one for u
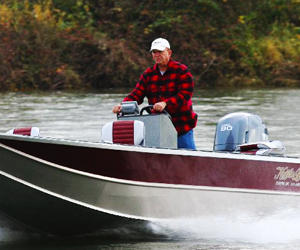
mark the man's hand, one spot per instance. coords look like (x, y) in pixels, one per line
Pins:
(117, 109)
(159, 106)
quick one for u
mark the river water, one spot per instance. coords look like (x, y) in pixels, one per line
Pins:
(81, 115)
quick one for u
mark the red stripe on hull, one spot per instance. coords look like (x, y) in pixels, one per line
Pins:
(167, 168)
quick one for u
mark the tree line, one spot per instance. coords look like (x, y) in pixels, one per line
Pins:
(94, 44)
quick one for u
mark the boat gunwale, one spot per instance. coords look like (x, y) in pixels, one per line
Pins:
(151, 150)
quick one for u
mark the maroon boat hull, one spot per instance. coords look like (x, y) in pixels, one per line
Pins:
(174, 167)
(62, 186)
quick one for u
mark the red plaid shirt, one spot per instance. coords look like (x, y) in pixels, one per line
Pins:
(175, 88)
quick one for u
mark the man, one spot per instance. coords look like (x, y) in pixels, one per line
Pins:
(169, 86)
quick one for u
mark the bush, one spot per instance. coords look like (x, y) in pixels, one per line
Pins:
(53, 44)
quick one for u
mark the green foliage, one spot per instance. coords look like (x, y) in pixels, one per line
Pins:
(54, 44)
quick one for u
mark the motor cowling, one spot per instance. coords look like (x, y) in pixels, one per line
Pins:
(239, 128)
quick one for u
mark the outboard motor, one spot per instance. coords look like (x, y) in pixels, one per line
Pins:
(239, 128)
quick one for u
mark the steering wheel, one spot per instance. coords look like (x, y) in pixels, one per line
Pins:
(149, 108)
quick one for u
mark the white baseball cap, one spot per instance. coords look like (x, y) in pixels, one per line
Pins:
(160, 44)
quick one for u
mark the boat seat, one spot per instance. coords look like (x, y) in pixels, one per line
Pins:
(124, 132)
(29, 131)
(264, 147)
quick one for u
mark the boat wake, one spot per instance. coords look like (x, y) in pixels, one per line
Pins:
(282, 227)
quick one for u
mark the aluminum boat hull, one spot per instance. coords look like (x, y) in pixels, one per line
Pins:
(70, 187)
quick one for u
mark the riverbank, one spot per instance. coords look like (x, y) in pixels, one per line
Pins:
(77, 44)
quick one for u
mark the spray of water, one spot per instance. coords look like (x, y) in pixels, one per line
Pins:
(281, 227)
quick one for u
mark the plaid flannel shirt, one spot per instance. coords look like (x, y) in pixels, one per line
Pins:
(175, 87)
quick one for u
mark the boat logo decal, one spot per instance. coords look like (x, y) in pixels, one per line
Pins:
(225, 127)
(287, 177)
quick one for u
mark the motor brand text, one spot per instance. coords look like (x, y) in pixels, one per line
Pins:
(226, 127)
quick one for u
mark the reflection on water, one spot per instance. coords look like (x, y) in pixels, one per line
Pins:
(82, 115)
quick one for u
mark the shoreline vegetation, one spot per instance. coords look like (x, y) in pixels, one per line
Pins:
(96, 44)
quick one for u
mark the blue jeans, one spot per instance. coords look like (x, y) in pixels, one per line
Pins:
(187, 141)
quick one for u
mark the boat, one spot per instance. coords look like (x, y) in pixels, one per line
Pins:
(135, 174)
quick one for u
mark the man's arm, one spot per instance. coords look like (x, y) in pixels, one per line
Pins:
(185, 90)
